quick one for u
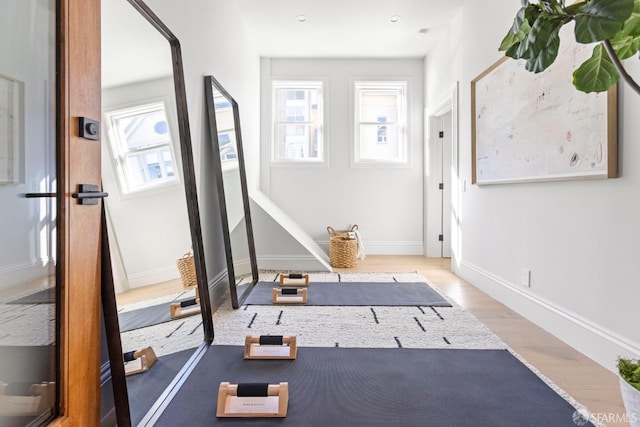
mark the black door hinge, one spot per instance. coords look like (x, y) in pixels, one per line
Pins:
(441, 238)
(441, 134)
(441, 186)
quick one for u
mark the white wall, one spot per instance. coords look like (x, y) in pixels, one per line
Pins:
(26, 251)
(385, 202)
(580, 239)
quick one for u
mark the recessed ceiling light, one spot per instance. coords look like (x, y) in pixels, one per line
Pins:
(301, 18)
(394, 19)
(423, 31)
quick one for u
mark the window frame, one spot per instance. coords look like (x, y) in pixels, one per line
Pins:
(118, 154)
(359, 84)
(300, 84)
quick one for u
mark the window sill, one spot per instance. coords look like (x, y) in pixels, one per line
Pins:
(299, 164)
(381, 164)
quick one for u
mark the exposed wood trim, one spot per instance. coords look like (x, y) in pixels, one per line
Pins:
(78, 95)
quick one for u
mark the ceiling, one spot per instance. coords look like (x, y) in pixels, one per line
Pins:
(333, 28)
(346, 28)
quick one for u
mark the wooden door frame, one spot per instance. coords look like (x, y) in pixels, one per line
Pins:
(78, 95)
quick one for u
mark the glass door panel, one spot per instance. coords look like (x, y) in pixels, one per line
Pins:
(28, 224)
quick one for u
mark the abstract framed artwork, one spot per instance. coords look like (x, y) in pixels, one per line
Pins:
(538, 127)
(11, 119)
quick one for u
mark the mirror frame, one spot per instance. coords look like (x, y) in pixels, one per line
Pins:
(209, 83)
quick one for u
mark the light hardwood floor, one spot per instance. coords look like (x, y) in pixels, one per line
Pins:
(589, 383)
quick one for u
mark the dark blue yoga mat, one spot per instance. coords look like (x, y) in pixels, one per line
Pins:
(378, 387)
(45, 296)
(146, 387)
(357, 294)
(147, 316)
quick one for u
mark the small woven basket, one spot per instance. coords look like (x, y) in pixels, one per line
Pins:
(187, 268)
(343, 247)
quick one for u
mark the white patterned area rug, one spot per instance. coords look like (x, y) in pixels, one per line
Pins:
(331, 326)
(323, 326)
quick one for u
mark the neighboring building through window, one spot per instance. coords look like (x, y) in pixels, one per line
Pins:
(141, 144)
(297, 121)
(226, 131)
(375, 103)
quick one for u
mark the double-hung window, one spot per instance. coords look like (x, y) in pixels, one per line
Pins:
(380, 127)
(297, 121)
(142, 147)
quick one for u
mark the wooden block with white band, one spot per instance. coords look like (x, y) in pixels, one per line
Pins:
(294, 279)
(270, 347)
(26, 400)
(289, 296)
(186, 308)
(139, 361)
(255, 400)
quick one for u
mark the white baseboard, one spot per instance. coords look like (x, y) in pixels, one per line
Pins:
(242, 267)
(595, 341)
(152, 277)
(218, 287)
(291, 262)
(16, 274)
(386, 247)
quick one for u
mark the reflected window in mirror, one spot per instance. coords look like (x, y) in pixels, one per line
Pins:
(226, 132)
(141, 142)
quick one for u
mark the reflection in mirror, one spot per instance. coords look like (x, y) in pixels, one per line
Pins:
(29, 288)
(152, 213)
(224, 126)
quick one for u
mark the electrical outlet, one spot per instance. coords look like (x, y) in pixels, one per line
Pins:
(525, 277)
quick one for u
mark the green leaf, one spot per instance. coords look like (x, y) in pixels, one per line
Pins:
(574, 8)
(627, 42)
(516, 33)
(596, 74)
(509, 40)
(598, 20)
(512, 40)
(540, 46)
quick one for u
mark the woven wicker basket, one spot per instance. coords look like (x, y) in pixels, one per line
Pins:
(343, 252)
(187, 269)
(343, 247)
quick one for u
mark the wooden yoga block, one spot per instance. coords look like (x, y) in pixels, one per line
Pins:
(294, 279)
(289, 296)
(255, 400)
(270, 347)
(186, 308)
(34, 400)
(139, 361)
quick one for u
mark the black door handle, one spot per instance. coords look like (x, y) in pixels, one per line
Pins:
(88, 194)
(35, 195)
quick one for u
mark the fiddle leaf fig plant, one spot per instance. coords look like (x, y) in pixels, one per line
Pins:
(630, 371)
(613, 24)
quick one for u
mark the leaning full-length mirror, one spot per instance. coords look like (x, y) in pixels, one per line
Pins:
(152, 212)
(224, 126)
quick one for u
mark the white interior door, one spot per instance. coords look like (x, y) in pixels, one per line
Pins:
(446, 184)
